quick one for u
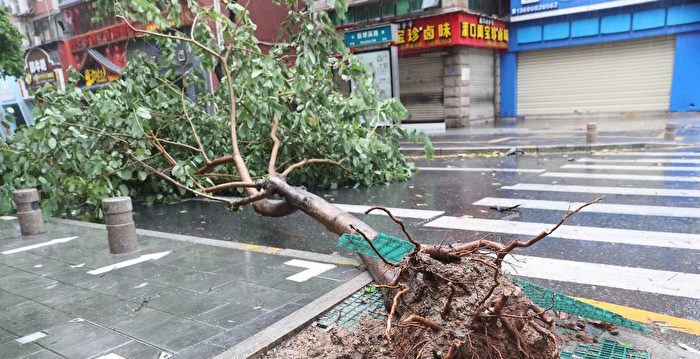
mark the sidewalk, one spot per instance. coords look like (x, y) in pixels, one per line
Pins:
(562, 134)
(188, 297)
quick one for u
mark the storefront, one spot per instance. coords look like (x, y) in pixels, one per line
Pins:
(571, 58)
(13, 109)
(447, 67)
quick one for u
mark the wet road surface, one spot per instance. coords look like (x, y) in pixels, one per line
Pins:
(642, 255)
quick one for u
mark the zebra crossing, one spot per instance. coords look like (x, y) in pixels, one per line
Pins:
(619, 172)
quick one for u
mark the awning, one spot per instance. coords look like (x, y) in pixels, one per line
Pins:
(111, 66)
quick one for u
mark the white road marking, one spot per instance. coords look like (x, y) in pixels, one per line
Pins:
(130, 262)
(39, 245)
(636, 191)
(398, 212)
(594, 234)
(313, 269)
(694, 179)
(649, 154)
(642, 160)
(8, 218)
(481, 169)
(30, 337)
(686, 212)
(111, 356)
(635, 168)
(630, 278)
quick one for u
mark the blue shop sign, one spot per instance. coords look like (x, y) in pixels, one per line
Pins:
(369, 36)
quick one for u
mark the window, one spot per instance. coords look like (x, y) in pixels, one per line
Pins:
(42, 28)
(402, 7)
(374, 11)
(388, 9)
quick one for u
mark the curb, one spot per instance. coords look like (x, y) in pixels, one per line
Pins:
(295, 253)
(269, 337)
(418, 151)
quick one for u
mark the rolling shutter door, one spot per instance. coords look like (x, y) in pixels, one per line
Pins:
(421, 87)
(609, 77)
(481, 83)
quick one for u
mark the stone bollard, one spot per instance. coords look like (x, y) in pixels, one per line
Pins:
(31, 220)
(592, 132)
(121, 229)
(670, 134)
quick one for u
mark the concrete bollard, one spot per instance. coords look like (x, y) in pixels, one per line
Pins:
(121, 229)
(31, 220)
(592, 132)
(670, 134)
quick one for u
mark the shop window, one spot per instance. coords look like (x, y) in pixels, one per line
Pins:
(402, 7)
(349, 16)
(361, 13)
(415, 5)
(388, 9)
(42, 28)
(374, 11)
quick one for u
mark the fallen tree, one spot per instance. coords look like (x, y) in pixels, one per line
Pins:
(274, 116)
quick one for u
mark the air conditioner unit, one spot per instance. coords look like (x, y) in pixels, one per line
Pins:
(36, 40)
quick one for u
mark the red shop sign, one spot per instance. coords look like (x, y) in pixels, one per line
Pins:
(452, 29)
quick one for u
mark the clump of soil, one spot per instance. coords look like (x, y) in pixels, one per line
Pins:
(461, 308)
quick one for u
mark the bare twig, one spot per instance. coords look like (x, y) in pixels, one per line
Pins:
(356, 229)
(189, 119)
(450, 295)
(400, 223)
(394, 304)
(422, 320)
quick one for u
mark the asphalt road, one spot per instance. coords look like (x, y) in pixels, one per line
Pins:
(639, 248)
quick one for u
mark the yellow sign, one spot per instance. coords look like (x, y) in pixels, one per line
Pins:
(93, 76)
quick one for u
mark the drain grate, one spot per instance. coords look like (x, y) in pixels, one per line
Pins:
(607, 349)
(365, 302)
(391, 248)
(563, 303)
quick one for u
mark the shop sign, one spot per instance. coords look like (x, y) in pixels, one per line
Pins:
(100, 37)
(98, 75)
(38, 69)
(450, 30)
(369, 36)
(530, 6)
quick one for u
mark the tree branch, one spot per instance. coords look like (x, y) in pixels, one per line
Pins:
(271, 169)
(229, 185)
(178, 184)
(304, 162)
(189, 119)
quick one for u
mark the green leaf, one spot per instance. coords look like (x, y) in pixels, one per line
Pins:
(143, 113)
(52, 143)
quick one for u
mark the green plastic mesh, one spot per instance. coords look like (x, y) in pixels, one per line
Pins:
(362, 303)
(563, 303)
(607, 349)
(391, 248)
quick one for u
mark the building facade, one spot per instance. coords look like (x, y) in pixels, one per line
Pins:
(448, 55)
(585, 57)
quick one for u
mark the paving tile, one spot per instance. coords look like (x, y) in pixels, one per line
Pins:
(230, 315)
(113, 284)
(23, 281)
(167, 331)
(44, 354)
(12, 349)
(256, 274)
(137, 350)
(342, 273)
(185, 303)
(154, 244)
(8, 300)
(58, 294)
(186, 279)
(201, 350)
(80, 339)
(312, 286)
(190, 261)
(250, 294)
(30, 317)
(38, 264)
(7, 270)
(250, 328)
(202, 251)
(6, 336)
(105, 310)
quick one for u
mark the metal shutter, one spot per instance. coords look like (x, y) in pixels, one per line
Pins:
(610, 77)
(481, 83)
(420, 80)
